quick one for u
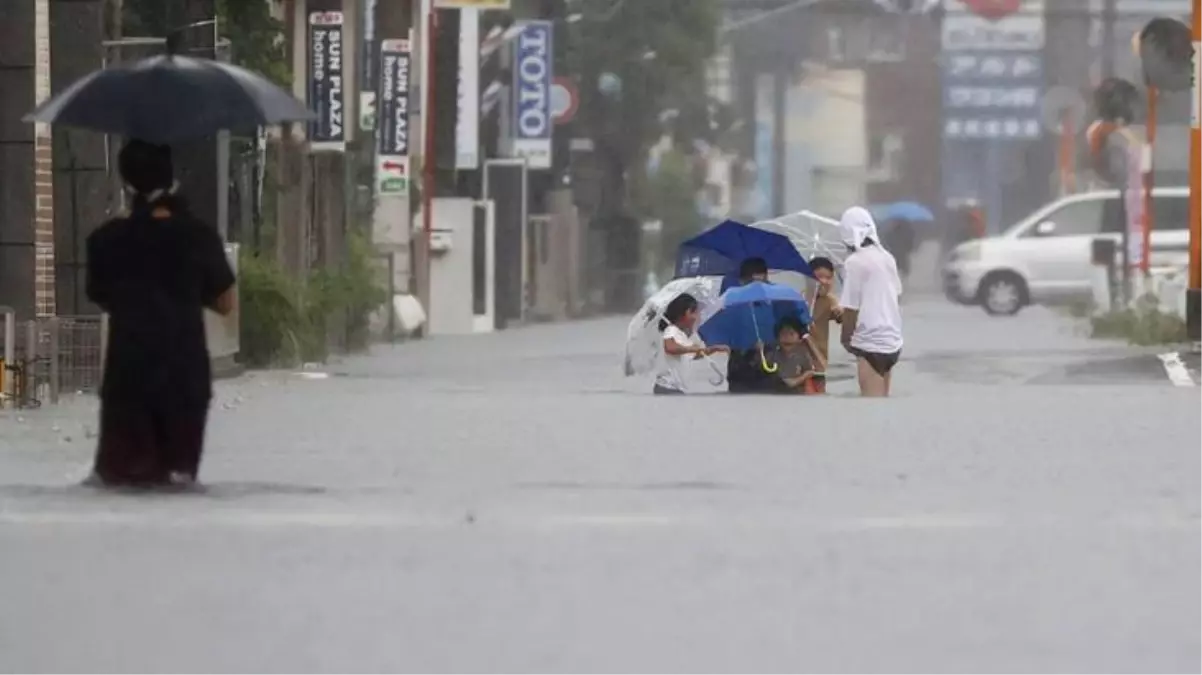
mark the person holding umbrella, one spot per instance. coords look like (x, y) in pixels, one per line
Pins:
(747, 323)
(872, 323)
(743, 372)
(154, 271)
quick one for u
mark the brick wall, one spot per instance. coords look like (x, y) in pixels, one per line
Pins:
(43, 168)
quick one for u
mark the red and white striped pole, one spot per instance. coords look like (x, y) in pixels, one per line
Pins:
(1194, 294)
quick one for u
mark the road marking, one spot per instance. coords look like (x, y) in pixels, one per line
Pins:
(247, 519)
(1176, 370)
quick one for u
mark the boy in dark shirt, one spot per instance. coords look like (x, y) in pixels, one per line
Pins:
(743, 372)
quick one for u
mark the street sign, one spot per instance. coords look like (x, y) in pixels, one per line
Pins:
(393, 100)
(392, 176)
(565, 100)
(532, 94)
(325, 86)
(392, 148)
(993, 78)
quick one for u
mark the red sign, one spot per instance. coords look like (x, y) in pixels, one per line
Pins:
(993, 9)
(565, 100)
(392, 166)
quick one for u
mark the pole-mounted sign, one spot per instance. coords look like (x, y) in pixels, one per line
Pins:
(392, 150)
(532, 78)
(326, 90)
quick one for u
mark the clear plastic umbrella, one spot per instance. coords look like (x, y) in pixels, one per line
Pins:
(813, 234)
(644, 340)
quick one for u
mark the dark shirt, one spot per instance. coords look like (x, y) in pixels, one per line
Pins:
(153, 273)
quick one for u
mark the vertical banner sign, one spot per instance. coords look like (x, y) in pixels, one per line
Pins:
(392, 150)
(532, 94)
(328, 131)
(367, 75)
(467, 130)
(993, 84)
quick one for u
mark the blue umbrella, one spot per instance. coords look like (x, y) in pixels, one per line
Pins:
(749, 315)
(909, 211)
(720, 250)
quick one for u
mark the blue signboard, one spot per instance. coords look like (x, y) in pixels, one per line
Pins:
(532, 77)
(992, 94)
(993, 89)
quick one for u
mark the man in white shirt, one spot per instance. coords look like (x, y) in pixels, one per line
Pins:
(872, 324)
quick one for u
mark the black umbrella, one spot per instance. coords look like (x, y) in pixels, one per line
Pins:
(170, 98)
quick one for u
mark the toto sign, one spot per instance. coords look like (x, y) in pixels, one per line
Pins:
(993, 9)
(532, 94)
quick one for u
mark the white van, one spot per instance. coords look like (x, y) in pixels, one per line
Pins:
(1046, 257)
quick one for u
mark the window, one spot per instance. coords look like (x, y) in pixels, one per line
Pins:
(1077, 219)
(1171, 213)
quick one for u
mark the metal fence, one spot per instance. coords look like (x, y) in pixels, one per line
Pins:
(44, 359)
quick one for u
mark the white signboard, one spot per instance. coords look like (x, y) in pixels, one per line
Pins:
(467, 129)
(1021, 32)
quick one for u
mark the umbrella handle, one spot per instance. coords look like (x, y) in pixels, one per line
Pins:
(717, 371)
(768, 367)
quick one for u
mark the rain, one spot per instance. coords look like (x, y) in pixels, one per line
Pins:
(600, 336)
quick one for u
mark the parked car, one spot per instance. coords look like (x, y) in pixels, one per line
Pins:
(1046, 257)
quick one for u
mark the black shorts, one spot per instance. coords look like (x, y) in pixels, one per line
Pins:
(881, 363)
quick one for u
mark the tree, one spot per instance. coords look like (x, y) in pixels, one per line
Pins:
(669, 195)
(256, 37)
(657, 49)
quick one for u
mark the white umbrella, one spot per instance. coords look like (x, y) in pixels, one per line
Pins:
(644, 339)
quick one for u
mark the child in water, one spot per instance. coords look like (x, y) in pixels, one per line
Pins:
(796, 358)
(679, 322)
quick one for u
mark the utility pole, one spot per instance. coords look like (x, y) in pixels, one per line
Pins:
(1109, 19)
(1193, 304)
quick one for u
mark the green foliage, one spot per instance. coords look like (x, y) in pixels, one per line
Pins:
(256, 38)
(682, 35)
(284, 322)
(270, 313)
(1144, 324)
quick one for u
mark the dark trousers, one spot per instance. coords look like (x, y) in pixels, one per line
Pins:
(745, 375)
(144, 445)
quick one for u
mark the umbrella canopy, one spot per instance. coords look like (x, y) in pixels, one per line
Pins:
(909, 211)
(171, 98)
(812, 234)
(644, 339)
(749, 315)
(720, 250)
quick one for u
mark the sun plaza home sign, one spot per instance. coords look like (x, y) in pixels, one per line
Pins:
(328, 131)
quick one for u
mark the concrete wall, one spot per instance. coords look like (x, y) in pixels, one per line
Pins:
(451, 270)
(824, 141)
